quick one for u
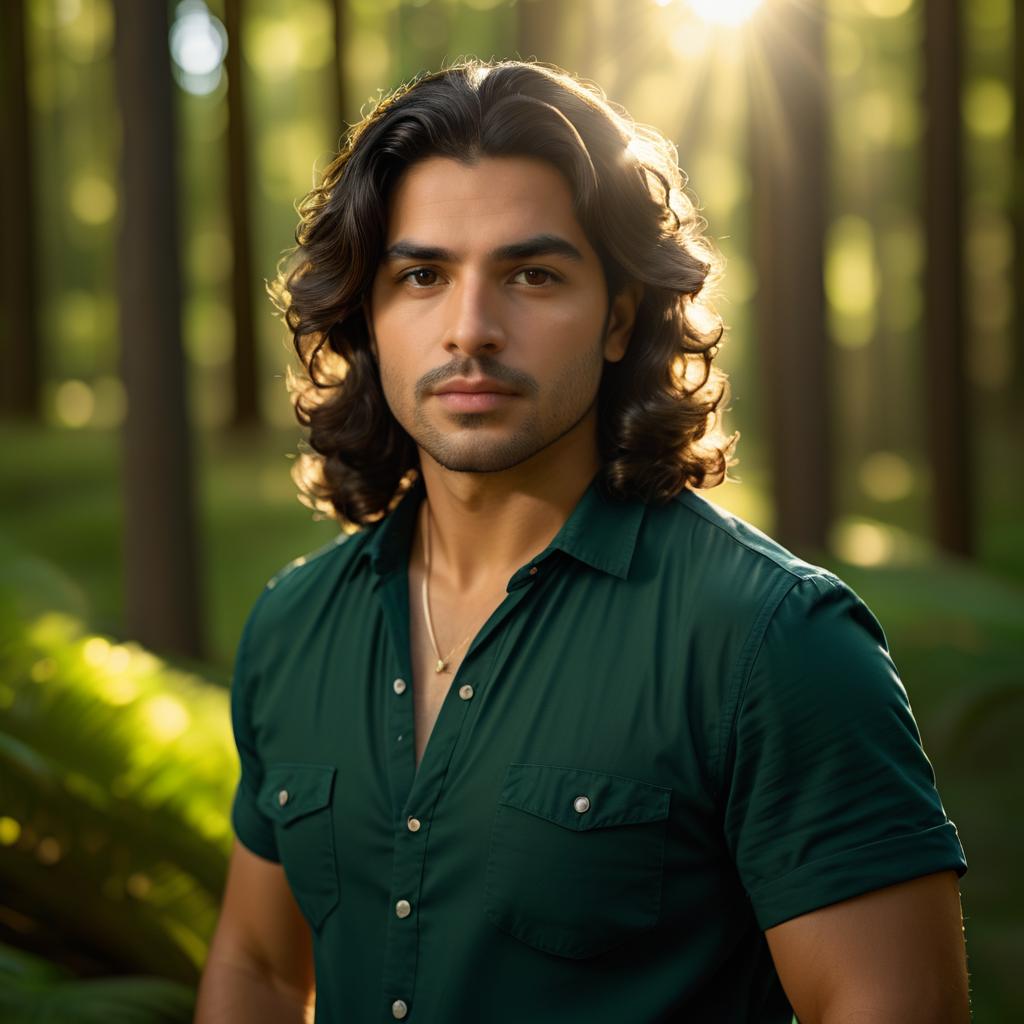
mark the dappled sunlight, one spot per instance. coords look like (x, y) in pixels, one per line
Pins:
(886, 476)
(166, 717)
(851, 281)
(92, 199)
(870, 544)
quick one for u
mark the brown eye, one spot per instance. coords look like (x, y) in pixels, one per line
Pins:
(534, 276)
(422, 277)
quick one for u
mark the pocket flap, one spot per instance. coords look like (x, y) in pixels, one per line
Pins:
(292, 790)
(579, 800)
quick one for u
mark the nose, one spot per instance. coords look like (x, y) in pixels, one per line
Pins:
(474, 322)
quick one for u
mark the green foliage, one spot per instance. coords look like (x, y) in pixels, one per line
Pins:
(32, 989)
(116, 776)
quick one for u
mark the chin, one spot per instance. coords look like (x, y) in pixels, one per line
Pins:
(480, 458)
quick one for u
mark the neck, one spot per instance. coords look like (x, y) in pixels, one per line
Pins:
(483, 526)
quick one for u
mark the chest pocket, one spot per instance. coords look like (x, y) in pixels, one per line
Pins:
(297, 798)
(576, 858)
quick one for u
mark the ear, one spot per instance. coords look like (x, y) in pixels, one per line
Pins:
(621, 320)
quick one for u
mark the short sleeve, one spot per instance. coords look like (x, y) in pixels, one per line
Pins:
(829, 793)
(253, 828)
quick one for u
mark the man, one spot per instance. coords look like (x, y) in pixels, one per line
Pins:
(551, 738)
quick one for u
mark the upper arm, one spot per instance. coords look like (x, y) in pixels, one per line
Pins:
(828, 792)
(260, 928)
(895, 954)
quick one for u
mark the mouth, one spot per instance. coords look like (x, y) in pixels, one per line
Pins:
(474, 394)
(474, 385)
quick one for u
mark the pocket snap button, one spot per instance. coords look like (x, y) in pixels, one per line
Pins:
(581, 804)
(282, 797)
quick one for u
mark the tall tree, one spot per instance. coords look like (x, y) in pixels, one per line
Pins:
(20, 390)
(1016, 395)
(539, 29)
(245, 383)
(160, 537)
(339, 9)
(945, 364)
(789, 171)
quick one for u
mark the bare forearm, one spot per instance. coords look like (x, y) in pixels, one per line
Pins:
(231, 993)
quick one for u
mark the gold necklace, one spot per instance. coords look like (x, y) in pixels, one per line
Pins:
(442, 663)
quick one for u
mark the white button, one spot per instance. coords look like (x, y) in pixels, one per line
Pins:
(581, 804)
(399, 687)
(399, 1009)
(466, 691)
(282, 797)
(403, 908)
(413, 824)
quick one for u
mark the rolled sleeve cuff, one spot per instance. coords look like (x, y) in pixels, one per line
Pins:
(857, 871)
(252, 828)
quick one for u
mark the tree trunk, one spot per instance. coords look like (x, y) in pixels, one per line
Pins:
(948, 398)
(341, 28)
(20, 343)
(1015, 395)
(789, 164)
(245, 384)
(160, 556)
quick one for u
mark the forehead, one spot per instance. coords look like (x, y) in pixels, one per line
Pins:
(445, 201)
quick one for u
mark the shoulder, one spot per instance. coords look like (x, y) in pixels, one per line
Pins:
(724, 563)
(310, 580)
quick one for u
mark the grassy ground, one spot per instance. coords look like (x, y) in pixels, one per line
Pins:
(955, 629)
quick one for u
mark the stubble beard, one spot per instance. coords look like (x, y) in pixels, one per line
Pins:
(571, 399)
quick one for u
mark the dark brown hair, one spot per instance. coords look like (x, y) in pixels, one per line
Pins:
(658, 407)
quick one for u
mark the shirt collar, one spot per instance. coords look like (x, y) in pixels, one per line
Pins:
(601, 532)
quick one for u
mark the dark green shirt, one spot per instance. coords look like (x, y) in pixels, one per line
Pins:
(671, 735)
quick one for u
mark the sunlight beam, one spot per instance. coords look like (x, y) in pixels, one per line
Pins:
(724, 12)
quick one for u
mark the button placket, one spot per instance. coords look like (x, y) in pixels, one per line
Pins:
(419, 790)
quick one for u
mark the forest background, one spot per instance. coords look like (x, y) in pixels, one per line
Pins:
(861, 162)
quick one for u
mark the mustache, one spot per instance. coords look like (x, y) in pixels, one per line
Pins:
(480, 367)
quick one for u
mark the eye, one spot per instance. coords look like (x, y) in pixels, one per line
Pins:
(420, 277)
(536, 276)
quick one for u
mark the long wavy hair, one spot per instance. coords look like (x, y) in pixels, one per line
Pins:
(659, 408)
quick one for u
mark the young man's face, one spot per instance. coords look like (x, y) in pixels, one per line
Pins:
(489, 274)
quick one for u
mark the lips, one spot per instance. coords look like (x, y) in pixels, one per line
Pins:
(476, 386)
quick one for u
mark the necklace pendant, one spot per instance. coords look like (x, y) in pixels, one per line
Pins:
(440, 666)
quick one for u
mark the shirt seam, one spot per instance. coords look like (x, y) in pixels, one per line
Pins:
(744, 670)
(702, 514)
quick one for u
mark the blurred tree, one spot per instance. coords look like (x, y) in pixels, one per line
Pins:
(246, 412)
(160, 538)
(339, 12)
(789, 175)
(20, 390)
(948, 401)
(1016, 402)
(539, 30)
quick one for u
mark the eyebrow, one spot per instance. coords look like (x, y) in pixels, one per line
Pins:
(537, 245)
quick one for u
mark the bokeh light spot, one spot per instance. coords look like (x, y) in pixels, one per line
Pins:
(988, 108)
(199, 43)
(96, 650)
(92, 199)
(10, 831)
(48, 851)
(74, 403)
(886, 476)
(166, 716)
